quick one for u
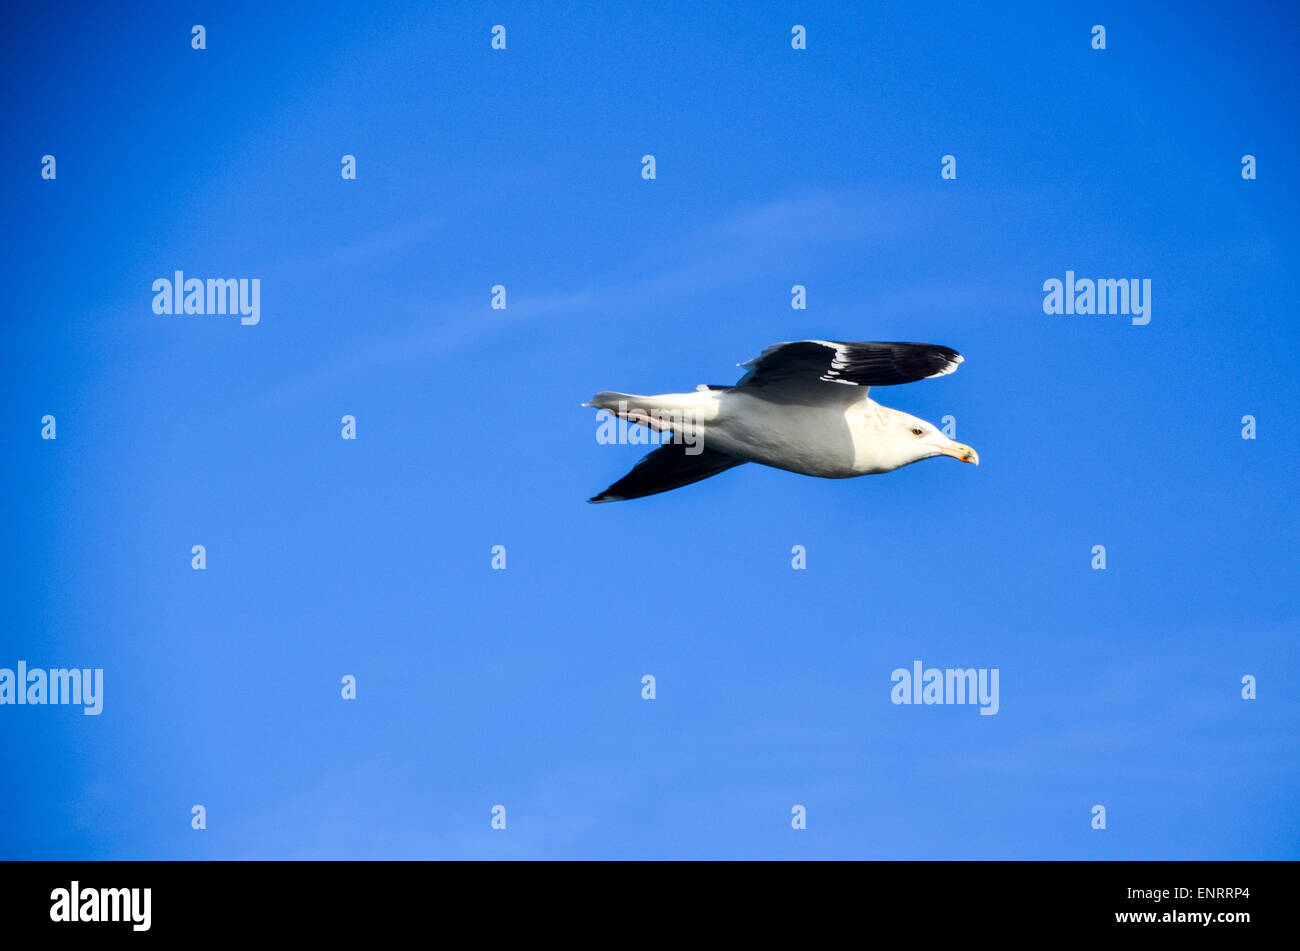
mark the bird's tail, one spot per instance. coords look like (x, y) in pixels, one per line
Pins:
(681, 461)
(613, 401)
(687, 413)
(703, 402)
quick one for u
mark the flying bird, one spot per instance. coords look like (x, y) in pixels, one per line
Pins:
(803, 406)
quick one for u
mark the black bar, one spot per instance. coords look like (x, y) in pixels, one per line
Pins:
(927, 899)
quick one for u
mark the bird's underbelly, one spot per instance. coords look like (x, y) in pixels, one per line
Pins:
(811, 440)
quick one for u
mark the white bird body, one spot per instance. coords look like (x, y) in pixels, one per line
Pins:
(831, 441)
(803, 408)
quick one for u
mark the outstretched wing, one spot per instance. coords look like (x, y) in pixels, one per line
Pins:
(854, 364)
(668, 467)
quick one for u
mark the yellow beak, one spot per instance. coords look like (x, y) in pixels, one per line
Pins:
(964, 453)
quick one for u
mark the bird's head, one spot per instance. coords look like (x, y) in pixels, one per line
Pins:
(918, 440)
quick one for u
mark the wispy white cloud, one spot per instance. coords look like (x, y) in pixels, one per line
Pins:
(758, 238)
(439, 332)
(750, 242)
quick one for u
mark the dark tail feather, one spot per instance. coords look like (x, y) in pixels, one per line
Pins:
(668, 467)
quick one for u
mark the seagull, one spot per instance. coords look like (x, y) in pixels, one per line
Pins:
(803, 407)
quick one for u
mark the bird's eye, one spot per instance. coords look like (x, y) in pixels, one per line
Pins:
(917, 432)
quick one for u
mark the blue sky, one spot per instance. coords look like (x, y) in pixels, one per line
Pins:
(522, 687)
